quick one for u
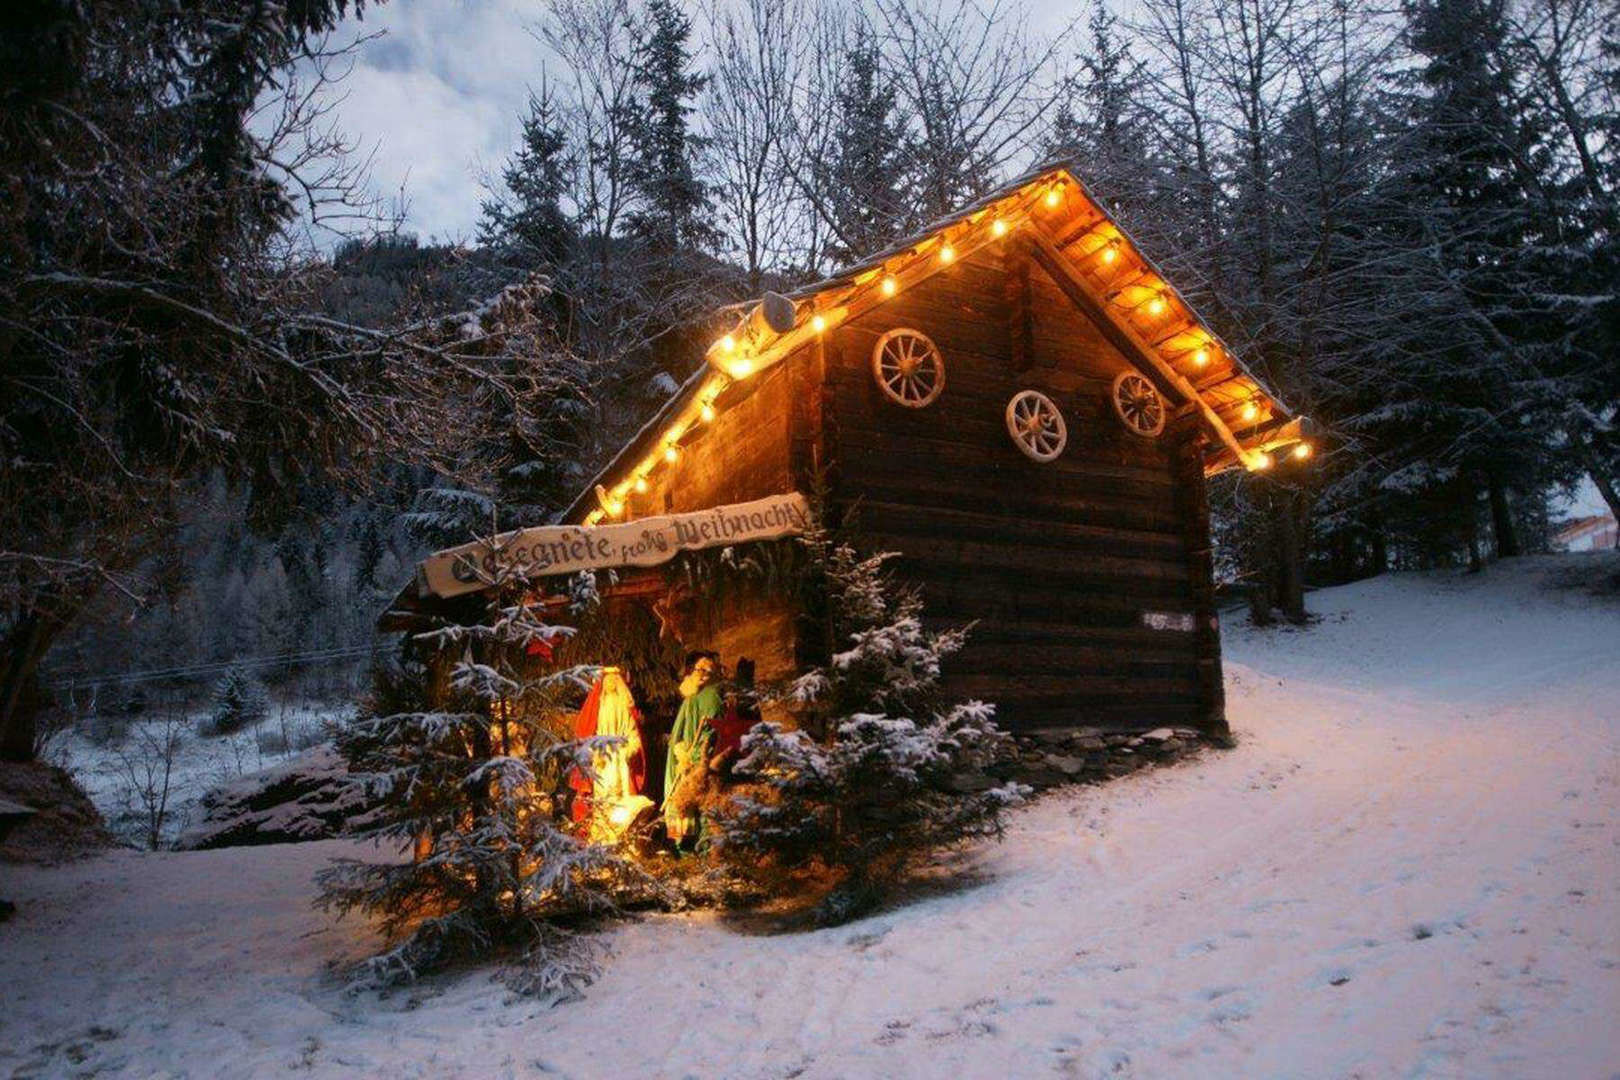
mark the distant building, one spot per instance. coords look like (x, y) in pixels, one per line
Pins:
(1595, 532)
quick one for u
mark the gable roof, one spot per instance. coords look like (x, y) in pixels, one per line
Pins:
(1071, 235)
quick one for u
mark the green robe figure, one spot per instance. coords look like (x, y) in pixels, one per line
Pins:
(691, 741)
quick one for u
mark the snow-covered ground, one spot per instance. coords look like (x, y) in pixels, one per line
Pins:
(1410, 866)
(116, 774)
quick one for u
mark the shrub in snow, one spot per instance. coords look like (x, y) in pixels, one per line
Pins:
(466, 755)
(240, 701)
(886, 781)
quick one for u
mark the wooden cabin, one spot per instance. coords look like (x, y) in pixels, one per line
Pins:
(1017, 402)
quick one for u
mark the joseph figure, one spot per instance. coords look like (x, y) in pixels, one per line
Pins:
(690, 743)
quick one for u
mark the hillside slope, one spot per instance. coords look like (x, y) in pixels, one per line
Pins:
(1409, 866)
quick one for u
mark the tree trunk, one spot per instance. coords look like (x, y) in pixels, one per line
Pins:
(20, 653)
(1379, 544)
(1291, 555)
(1507, 537)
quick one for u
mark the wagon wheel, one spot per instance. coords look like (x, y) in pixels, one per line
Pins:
(1036, 425)
(1138, 404)
(908, 367)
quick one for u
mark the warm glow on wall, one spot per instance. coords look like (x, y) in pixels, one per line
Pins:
(1133, 288)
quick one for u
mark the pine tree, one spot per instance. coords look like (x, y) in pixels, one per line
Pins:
(863, 177)
(1459, 420)
(674, 202)
(1100, 124)
(239, 702)
(899, 771)
(528, 220)
(466, 751)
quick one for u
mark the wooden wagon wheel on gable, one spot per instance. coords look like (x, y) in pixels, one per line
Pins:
(1138, 404)
(1036, 425)
(908, 367)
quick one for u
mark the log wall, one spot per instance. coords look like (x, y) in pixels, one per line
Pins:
(742, 454)
(1060, 564)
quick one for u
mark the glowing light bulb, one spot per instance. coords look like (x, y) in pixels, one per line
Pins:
(998, 228)
(1053, 198)
(1251, 411)
(728, 343)
(1109, 254)
(1201, 357)
(1156, 305)
(891, 285)
(947, 253)
(1260, 462)
(671, 453)
(742, 368)
(707, 412)
(819, 323)
(1302, 450)
(641, 485)
(615, 507)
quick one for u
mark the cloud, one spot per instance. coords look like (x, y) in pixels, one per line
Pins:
(439, 96)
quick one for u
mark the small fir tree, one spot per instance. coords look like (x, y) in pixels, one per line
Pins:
(899, 771)
(467, 753)
(240, 702)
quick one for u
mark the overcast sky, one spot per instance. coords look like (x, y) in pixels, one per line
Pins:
(440, 93)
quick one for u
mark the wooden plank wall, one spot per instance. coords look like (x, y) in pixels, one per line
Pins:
(1057, 562)
(742, 454)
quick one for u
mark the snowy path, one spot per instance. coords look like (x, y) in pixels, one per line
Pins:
(1409, 867)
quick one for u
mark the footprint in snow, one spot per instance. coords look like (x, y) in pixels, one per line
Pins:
(893, 1032)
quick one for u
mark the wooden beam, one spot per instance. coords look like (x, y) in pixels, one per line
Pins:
(1262, 440)
(1122, 335)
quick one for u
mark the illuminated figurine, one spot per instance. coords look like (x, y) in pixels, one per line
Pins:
(615, 794)
(690, 743)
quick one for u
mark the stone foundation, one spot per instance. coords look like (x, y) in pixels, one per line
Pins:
(1046, 759)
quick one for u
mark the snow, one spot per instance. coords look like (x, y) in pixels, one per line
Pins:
(1410, 866)
(201, 763)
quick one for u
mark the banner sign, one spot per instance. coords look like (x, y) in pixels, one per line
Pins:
(567, 549)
